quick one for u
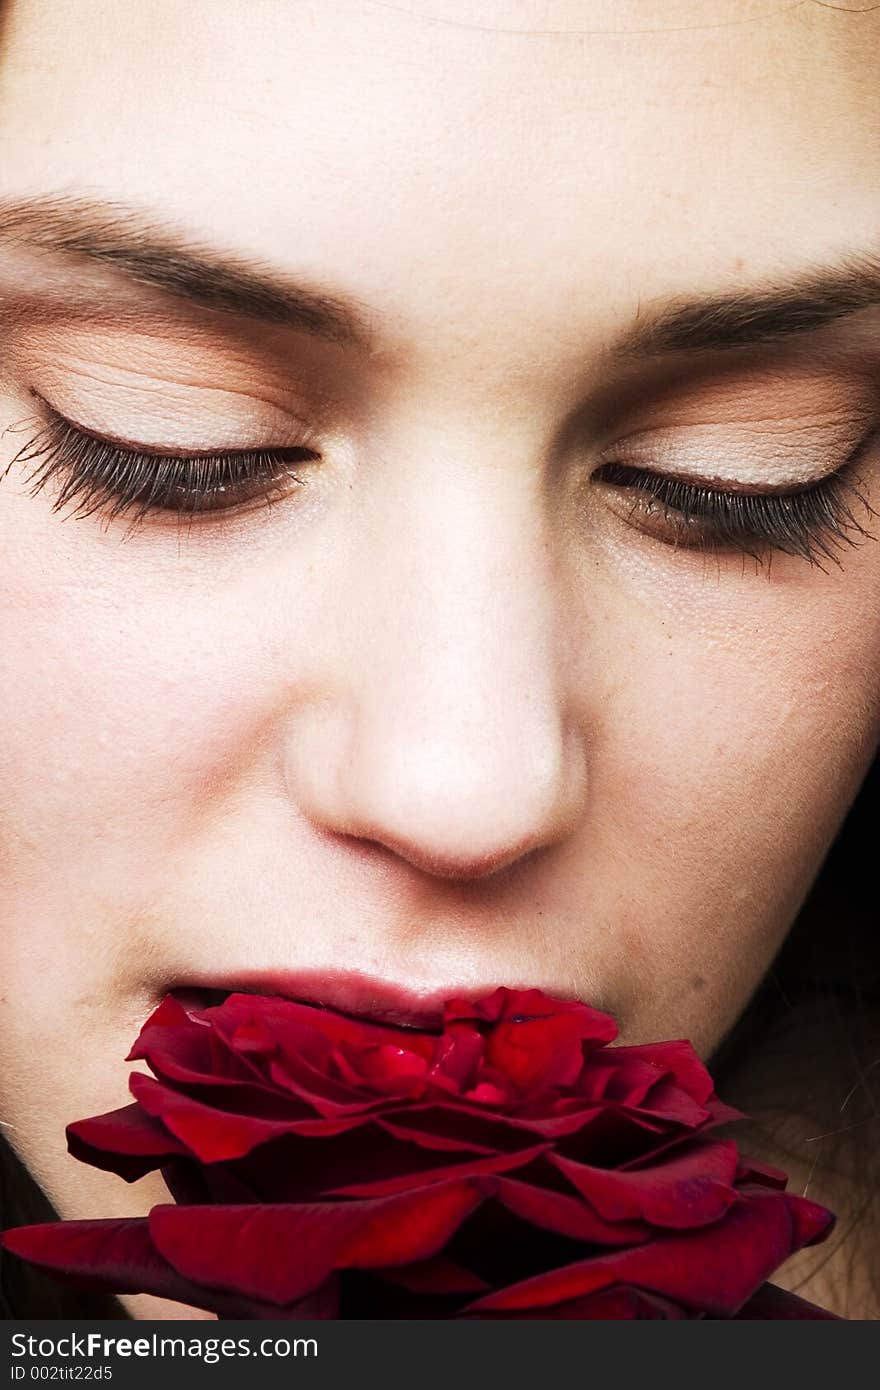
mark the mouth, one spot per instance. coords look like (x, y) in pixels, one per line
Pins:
(350, 993)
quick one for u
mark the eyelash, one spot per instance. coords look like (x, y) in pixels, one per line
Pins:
(812, 522)
(116, 479)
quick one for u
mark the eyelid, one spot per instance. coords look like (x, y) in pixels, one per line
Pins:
(748, 460)
(305, 439)
(724, 486)
(129, 365)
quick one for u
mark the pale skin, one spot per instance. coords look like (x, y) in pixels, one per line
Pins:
(451, 712)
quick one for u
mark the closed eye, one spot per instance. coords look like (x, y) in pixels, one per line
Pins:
(117, 478)
(811, 522)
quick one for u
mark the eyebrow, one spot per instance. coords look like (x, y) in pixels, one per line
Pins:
(126, 240)
(133, 243)
(764, 314)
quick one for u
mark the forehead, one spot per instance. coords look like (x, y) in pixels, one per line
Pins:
(495, 157)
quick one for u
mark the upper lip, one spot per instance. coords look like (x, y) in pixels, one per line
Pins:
(346, 991)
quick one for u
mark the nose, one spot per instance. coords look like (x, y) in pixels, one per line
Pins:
(444, 734)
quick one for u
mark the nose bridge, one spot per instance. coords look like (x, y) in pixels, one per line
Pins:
(463, 590)
(465, 570)
(458, 753)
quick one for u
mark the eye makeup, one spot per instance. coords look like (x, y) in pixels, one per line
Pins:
(813, 522)
(720, 462)
(749, 460)
(117, 478)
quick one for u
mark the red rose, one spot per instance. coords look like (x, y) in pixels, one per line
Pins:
(513, 1165)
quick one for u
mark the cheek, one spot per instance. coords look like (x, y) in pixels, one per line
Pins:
(750, 701)
(121, 712)
(128, 714)
(130, 698)
(733, 725)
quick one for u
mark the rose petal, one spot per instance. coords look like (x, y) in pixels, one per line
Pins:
(750, 1170)
(567, 1122)
(465, 1168)
(677, 1058)
(115, 1255)
(196, 1057)
(385, 1069)
(428, 1139)
(126, 1141)
(713, 1269)
(811, 1222)
(691, 1188)
(280, 1252)
(505, 1004)
(119, 1256)
(670, 1103)
(297, 1027)
(217, 1135)
(458, 1057)
(435, 1276)
(568, 1216)
(621, 1302)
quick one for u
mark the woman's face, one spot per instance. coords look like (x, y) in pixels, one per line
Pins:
(519, 677)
